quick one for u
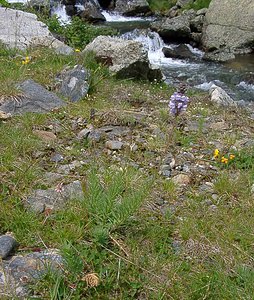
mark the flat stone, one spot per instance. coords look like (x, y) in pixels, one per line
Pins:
(66, 169)
(114, 145)
(55, 198)
(94, 136)
(38, 207)
(165, 167)
(7, 245)
(114, 131)
(52, 178)
(46, 136)
(32, 98)
(222, 125)
(83, 134)
(181, 179)
(56, 157)
(166, 173)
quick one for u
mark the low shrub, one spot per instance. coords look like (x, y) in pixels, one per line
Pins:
(198, 4)
(78, 34)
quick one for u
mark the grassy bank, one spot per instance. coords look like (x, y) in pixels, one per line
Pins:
(137, 234)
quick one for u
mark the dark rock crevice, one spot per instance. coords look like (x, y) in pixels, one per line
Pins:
(106, 4)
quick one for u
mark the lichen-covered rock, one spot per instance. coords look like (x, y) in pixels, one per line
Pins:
(229, 26)
(19, 271)
(21, 30)
(75, 83)
(220, 97)
(125, 58)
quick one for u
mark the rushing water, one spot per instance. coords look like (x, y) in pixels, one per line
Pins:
(236, 76)
(60, 11)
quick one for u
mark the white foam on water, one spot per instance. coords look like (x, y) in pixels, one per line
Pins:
(80, 7)
(18, 1)
(153, 44)
(205, 86)
(195, 51)
(246, 86)
(60, 12)
(158, 58)
(116, 17)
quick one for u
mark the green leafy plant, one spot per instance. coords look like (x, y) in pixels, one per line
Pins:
(4, 3)
(78, 33)
(198, 4)
(161, 5)
(112, 200)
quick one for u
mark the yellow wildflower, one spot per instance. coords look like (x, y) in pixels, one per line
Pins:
(231, 156)
(224, 160)
(77, 50)
(26, 60)
(216, 153)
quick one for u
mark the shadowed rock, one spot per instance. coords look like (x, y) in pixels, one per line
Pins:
(132, 7)
(125, 58)
(75, 83)
(33, 98)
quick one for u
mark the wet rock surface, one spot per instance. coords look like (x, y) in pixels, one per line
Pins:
(132, 8)
(182, 51)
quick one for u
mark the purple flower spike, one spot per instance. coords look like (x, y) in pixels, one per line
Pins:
(178, 103)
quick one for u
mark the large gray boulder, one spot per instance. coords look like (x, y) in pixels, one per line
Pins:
(132, 7)
(92, 12)
(174, 29)
(32, 98)
(229, 26)
(181, 51)
(125, 58)
(21, 30)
